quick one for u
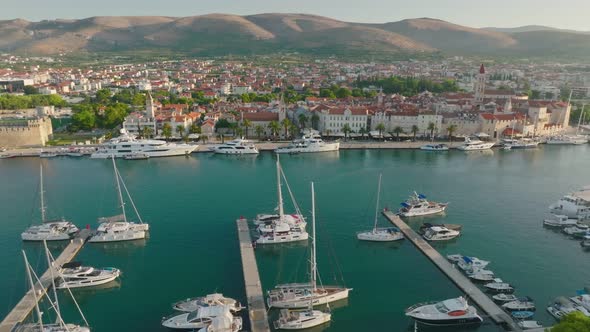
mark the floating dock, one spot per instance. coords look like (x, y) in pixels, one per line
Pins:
(495, 313)
(24, 307)
(256, 306)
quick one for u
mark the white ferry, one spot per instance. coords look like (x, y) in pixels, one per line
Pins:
(126, 145)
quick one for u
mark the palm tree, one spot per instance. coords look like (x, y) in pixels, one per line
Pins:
(346, 130)
(259, 130)
(246, 124)
(167, 131)
(293, 129)
(415, 131)
(381, 128)
(146, 132)
(274, 127)
(204, 138)
(432, 128)
(363, 131)
(302, 118)
(194, 129)
(180, 131)
(239, 131)
(397, 131)
(315, 120)
(451, 130)
(286, 123)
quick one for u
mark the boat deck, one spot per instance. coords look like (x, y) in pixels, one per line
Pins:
(486, 304)
(24, 307)
(256, 306)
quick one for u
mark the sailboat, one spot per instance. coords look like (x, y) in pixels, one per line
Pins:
(300, 295)
(576, 139)
(290, 319)
(118, 228)
(380, 234)
(49, 230)
(60, 325)
(283, 229)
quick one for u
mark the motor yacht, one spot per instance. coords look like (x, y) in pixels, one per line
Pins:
(125, 145)
(198, 319)
(456, 227)
(225, 323)
(435, 147)
(437, 233)
(380, 234)
(193, 304)
(529, 325)
(237, 146)
(309, 144)
(300, 319)
(499, 286)
(582, 300)
(74, 275)
(523, 143)
(481, 275)
(575, 205)
(578, 230)
(136, 156)
(520, 304)
(503, 298)
(448, 312)
(474, 145)
(469, 264)
(557, 220)
(418, 205)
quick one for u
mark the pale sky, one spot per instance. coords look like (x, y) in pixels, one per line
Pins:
(567, 14)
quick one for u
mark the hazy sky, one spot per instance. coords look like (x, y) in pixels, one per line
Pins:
(569, 14)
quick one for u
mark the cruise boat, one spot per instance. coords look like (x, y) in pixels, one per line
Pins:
(193, 304)
(499, 286)
(474, 145)
(126, 144)
(237, 146)
(435, 147)
(520, 304)
(198, 319)
(557, 220)
(74, 275)
(290, 319)
(503, 298)
(448, 312)
(289, 296)
(49, 230)
(119, 228)
(380, 234)
(529, 325)
(574, 205)
(309, 144)
(437, 233)
(417, 205)
(567, 140)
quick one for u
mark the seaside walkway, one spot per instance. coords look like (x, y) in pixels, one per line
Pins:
(256, 306)
(24, 307)
(495, 313)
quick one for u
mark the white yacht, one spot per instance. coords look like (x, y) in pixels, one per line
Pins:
(237, 146)
(475, 144)
(435, 147)
(418, 205)
(520, 304)
(575, 205)
(562, 306)
(193, 304)
(468, 264)
(523, 143)
(481, 275)
(577, 230)
(449, 312)
(118, 228)
(380, 234)
(125, 145)
(289, 296)
(437, 233)
(264, 218)
(290, 319)
(307, 144)
(74, 275)
(49, 230)
(503, 298)
(224, 323)
(557, 220)
(499, 286)
(567, 140)
(529, 325)
(198, 319)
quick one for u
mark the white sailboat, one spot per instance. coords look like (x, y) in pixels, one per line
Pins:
(288, 296)
(380, 234)
(283, 229)
(118, 228)
(48, 230)
(290, 319)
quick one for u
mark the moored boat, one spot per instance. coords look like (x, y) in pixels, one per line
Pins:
(448, 312)
(236, 147)
(502, 297)
(435, 147)
(309, 144)
(475, 144)
(193, 304)
(418, 205)
(380, 234)
(74, 275)
(126, 144)
(557, 220)
(290, 319)
(436, 233)
(499, 286)
(520, 304)
(529, 325)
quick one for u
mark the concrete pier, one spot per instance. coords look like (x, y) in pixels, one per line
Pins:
(495, 313)
(256, 306)
(24, 307)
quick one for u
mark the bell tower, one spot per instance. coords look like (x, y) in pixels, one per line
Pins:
(479, 87)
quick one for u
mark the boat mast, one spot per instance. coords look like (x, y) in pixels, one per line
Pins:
(377, 205)
(580, 119)
(121, 202)
(28, 267)
(313, 244)
(279, 192)
(50, 267)
(42, 194)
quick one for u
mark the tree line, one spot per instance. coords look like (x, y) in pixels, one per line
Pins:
(408, 86)
(15, 102)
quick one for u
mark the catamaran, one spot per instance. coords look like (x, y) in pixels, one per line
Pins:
(118, 228)
(380, 234)
(193, 304)
(49, 230)
(288, 296)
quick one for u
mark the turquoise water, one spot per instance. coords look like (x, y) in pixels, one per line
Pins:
(192, 204)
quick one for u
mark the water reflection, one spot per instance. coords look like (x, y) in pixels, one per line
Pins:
(121, 248)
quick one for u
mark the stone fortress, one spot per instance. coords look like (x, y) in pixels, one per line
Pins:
(26, 132)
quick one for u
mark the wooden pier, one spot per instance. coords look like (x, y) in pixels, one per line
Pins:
(495, 313)
(24, 307)
(256, 306)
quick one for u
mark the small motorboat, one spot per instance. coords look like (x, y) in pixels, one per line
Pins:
(435, 147)
(455, 227)
(193, 304)
(504, 297)
(522, 314)
(520, 304)
(437, 233)
(579, 230)
(499, 286)
(558, 220)
(471, 264)
(529, 324)
(481, 275)
(448, 312)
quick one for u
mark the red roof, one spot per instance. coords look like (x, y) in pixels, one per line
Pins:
(261, 116)
(510, 132)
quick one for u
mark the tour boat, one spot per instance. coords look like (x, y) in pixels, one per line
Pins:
(529, 325)
(380, 234)
(578, 230)
(74, 275)
(49, 230)
(435, 147)
(288, 296)
(574, 205)
(237, 146)
(126, 144)
(198, 319)
(481, 275)
(136, 156)
(290, 319)
(418, 205)
(503, 298)
(308, 144)
(448, 312)
(119, 228)
(193, 304)
(523, 143)
(559, 221)
(437, 233)
(475, 144)
(520, 304)
(223, 323)
(499, 286)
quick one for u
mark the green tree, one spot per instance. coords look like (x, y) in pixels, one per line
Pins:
(415, 131)
(114, 115)
(397, 131)
(451, 130)
(259, 130)
(138, 99)
(315, 120)
(327, 93)
(381, 128)
(342, 93)
(103, 96)
(167, 131)
(147, 132)
(346, 130)
(363, 131)
(84, 120)
(246, 124)
(432, 128)
(222, 123)
(535, 94)
(286, 124)
(573, 322)
(30, 90)
(180, 131)
(274, 127)
(194, 129)
(293, 129)
(302, 119)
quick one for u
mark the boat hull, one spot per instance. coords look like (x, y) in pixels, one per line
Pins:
(341, 294)
(91, 283)
(179, 150)
(478, 147)
(380, 236)
(44, 237)
(450, 322)
(118, 237)
(327, 147)
(308, 321)
(282, 238)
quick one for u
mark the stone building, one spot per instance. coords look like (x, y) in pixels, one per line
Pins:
(25, 132)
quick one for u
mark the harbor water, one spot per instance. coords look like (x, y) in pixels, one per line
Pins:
(500, 197)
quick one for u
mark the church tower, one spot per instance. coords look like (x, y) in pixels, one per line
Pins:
(149, 107)
(479, 87)
(380, 97)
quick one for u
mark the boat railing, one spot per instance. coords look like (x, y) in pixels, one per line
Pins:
(418, 305)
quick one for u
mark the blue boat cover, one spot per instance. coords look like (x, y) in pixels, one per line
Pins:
(421, 196)
(404, 204)
(523, 314)
(467, 260)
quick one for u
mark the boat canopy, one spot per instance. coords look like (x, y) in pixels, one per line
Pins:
(404, 204)
(421, 196)
(71, 265)
(467, 260)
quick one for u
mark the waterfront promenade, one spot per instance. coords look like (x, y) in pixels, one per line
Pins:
(256, 306)
(24, 307)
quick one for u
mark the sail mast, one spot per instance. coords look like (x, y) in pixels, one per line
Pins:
(377, 204)
(580, 119)
(313, 243)
(50, 267)
(279, 192)
(42, 194)
(121, 202)
(27, 266)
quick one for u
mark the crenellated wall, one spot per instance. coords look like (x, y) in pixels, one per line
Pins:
(23, 133)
